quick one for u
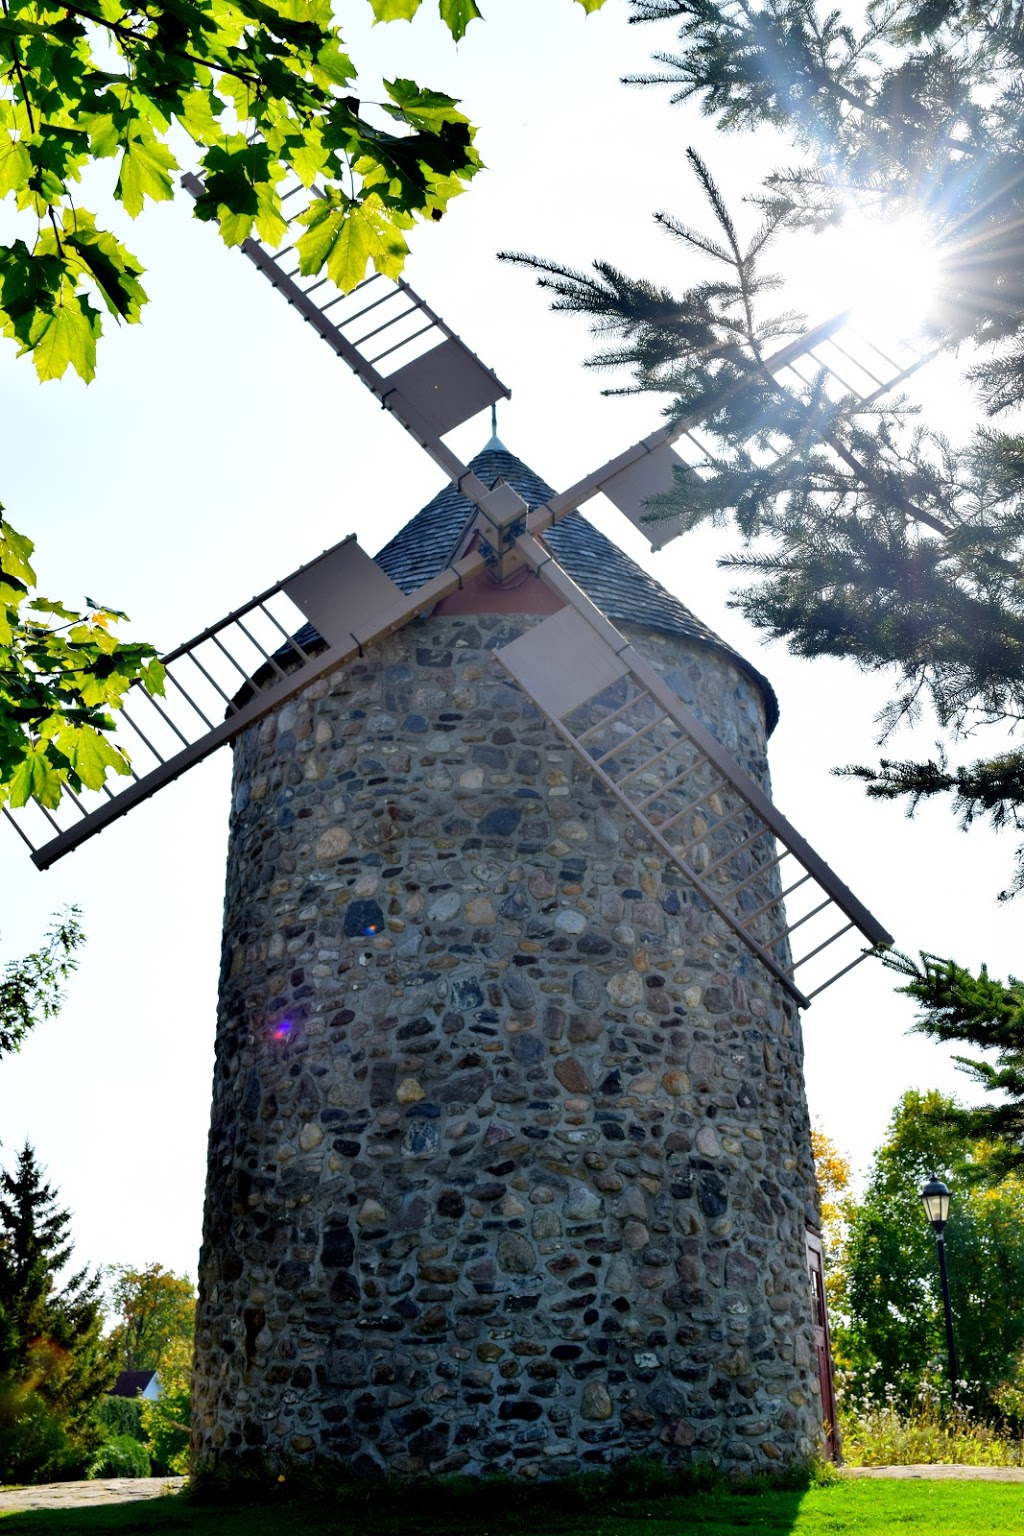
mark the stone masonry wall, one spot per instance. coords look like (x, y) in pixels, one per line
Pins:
(509, 1157)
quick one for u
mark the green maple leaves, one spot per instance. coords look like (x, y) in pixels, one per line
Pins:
(263, 88)
(259, 86)
(456, 14)
(61, 675)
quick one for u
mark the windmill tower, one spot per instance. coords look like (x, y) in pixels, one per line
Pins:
(509, 1160)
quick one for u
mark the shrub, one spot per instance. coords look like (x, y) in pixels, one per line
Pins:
(34, 1446)
(1009, 1399)
(121, 1456)
(121, 1416)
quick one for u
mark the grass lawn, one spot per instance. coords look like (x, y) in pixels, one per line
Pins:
(863, 1508)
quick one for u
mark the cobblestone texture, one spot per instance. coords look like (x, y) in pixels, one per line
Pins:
(509, 1158)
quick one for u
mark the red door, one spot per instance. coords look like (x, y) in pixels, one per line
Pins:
(822, 1346)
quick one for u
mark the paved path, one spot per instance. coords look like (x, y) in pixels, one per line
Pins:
(99, 1490)
(984, 1474)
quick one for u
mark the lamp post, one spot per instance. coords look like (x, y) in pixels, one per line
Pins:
(935, 1196)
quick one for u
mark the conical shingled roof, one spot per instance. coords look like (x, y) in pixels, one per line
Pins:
(619, 587)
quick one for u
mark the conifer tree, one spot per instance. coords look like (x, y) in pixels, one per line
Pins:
(981, 1011)
(54, 1363)
(867, 536)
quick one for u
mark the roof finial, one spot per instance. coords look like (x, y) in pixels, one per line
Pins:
(495, 440)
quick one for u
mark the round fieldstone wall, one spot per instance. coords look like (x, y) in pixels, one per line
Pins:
(509, 1161)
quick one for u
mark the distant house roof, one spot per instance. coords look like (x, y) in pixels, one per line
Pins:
(619, 587)
(135, 1384)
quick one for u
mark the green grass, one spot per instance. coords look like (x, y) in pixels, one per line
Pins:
(862, 1508)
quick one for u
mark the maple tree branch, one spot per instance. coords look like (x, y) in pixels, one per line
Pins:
(21, 77)
(128, 34)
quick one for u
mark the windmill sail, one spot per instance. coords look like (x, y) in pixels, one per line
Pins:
(405, 354)
(688, 795)
(834, 355)
(683, 789)
(230, 676)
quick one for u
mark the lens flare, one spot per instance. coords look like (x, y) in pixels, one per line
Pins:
(283, 1030)
(886, 271)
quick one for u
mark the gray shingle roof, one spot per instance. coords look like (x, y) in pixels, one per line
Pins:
(430, 540)
(131, 1383)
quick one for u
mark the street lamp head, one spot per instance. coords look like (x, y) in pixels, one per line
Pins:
(935, 1196)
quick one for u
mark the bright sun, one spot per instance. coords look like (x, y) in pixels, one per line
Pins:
(886, 273)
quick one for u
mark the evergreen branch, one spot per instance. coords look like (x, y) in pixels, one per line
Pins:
(992, 787)
(694, 237)
(956, 1005)
(887, 491)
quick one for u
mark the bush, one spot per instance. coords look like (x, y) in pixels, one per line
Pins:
(121, 1416)
(1009, 1399)
(34, 1447)
(122, 1456)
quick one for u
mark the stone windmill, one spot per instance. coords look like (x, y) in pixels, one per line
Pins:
(509, 1162)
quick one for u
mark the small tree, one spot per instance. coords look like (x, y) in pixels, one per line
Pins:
(890, 1335)
(154, 1309)
(835, 1197)
(166, 1420)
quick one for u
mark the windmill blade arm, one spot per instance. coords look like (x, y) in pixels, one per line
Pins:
(124, 800)
(559, 580)
(575, 495)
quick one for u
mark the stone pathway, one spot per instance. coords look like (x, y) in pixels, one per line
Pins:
(937, 1472)
(100, 1490)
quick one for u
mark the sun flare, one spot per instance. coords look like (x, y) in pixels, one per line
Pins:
(886, 273)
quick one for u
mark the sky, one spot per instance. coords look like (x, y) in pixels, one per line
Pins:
(222, 445)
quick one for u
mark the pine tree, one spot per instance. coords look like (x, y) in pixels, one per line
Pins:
(866, 536)
(988, 1014)
(54, 1363)
(876, 540)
